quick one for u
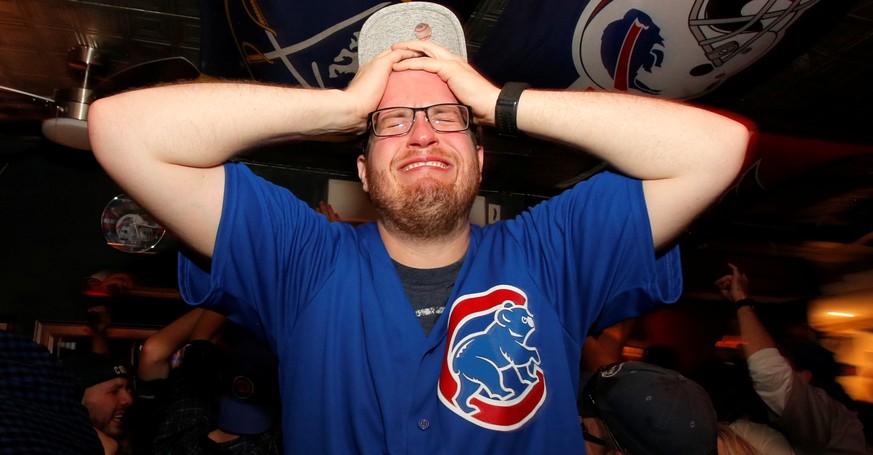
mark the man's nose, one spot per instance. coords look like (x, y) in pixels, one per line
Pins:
(125, 397)
(422, 133)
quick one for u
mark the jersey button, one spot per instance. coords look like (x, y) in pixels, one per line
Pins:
(424, 424)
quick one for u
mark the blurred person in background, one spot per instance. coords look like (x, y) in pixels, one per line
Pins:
(222, 398)
(812, 420)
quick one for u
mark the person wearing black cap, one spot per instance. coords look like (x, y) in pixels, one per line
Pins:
(107, 393)
(636, 407)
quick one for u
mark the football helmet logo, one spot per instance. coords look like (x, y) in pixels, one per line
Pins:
(650, 48)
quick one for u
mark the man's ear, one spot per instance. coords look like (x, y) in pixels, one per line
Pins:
(362, 171)
(480, 151)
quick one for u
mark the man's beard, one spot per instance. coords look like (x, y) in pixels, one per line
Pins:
(429, 210)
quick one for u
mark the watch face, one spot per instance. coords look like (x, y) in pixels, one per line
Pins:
(128, 227)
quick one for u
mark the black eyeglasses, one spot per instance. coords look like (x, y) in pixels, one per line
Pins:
(398, 121)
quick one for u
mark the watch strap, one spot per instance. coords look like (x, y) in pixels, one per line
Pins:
(507, 108)
(744, 302)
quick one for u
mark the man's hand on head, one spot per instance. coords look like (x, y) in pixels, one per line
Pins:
(470, 87)
(368, 85)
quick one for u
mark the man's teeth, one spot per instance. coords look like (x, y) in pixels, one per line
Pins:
(439, 164)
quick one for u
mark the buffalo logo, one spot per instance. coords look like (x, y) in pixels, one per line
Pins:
(681, 49)
(491, 376)
(632, 44)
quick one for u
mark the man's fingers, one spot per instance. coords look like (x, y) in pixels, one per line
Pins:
(427, 48)
(393, 56)
(327, 210)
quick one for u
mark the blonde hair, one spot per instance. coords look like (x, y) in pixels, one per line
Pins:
(731, 443)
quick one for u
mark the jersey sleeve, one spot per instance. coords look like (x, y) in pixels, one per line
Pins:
(591, 248)
(271, 253)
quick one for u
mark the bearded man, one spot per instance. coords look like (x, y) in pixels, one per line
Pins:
(374, 324)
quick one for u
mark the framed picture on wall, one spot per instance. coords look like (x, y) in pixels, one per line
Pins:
(63, 339)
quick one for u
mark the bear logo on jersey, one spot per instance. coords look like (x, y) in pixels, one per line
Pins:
(491, 375)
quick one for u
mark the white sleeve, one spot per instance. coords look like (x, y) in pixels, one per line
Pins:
(771, 376)
(762, 437)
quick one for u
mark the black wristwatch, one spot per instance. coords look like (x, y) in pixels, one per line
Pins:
(744, 302)
(507, 108)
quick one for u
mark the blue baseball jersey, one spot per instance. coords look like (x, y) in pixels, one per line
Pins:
(499, 372)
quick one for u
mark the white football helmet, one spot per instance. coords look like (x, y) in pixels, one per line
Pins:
(678, 49)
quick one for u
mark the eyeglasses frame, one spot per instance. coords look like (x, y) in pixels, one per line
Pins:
(415, 110)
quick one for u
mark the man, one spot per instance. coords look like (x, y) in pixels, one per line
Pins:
(813, 420)
(107, 394)
(360, 373)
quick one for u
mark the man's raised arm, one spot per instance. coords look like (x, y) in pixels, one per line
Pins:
(686, 155)
(165, 145)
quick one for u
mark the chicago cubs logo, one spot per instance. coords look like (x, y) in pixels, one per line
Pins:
(491, 376)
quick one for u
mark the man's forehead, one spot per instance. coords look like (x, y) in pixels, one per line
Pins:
(415, 89)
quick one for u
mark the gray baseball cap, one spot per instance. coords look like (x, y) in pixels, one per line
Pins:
(409, 21)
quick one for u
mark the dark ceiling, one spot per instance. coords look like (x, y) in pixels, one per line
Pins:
(809, 230)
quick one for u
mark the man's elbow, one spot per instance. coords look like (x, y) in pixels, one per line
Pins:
(96, 121)
(737, 140)
(101, 125)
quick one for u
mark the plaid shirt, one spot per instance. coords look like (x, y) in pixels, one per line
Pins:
(41, 411)
(190, 413)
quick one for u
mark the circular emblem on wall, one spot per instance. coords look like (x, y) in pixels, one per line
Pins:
(128, 227)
